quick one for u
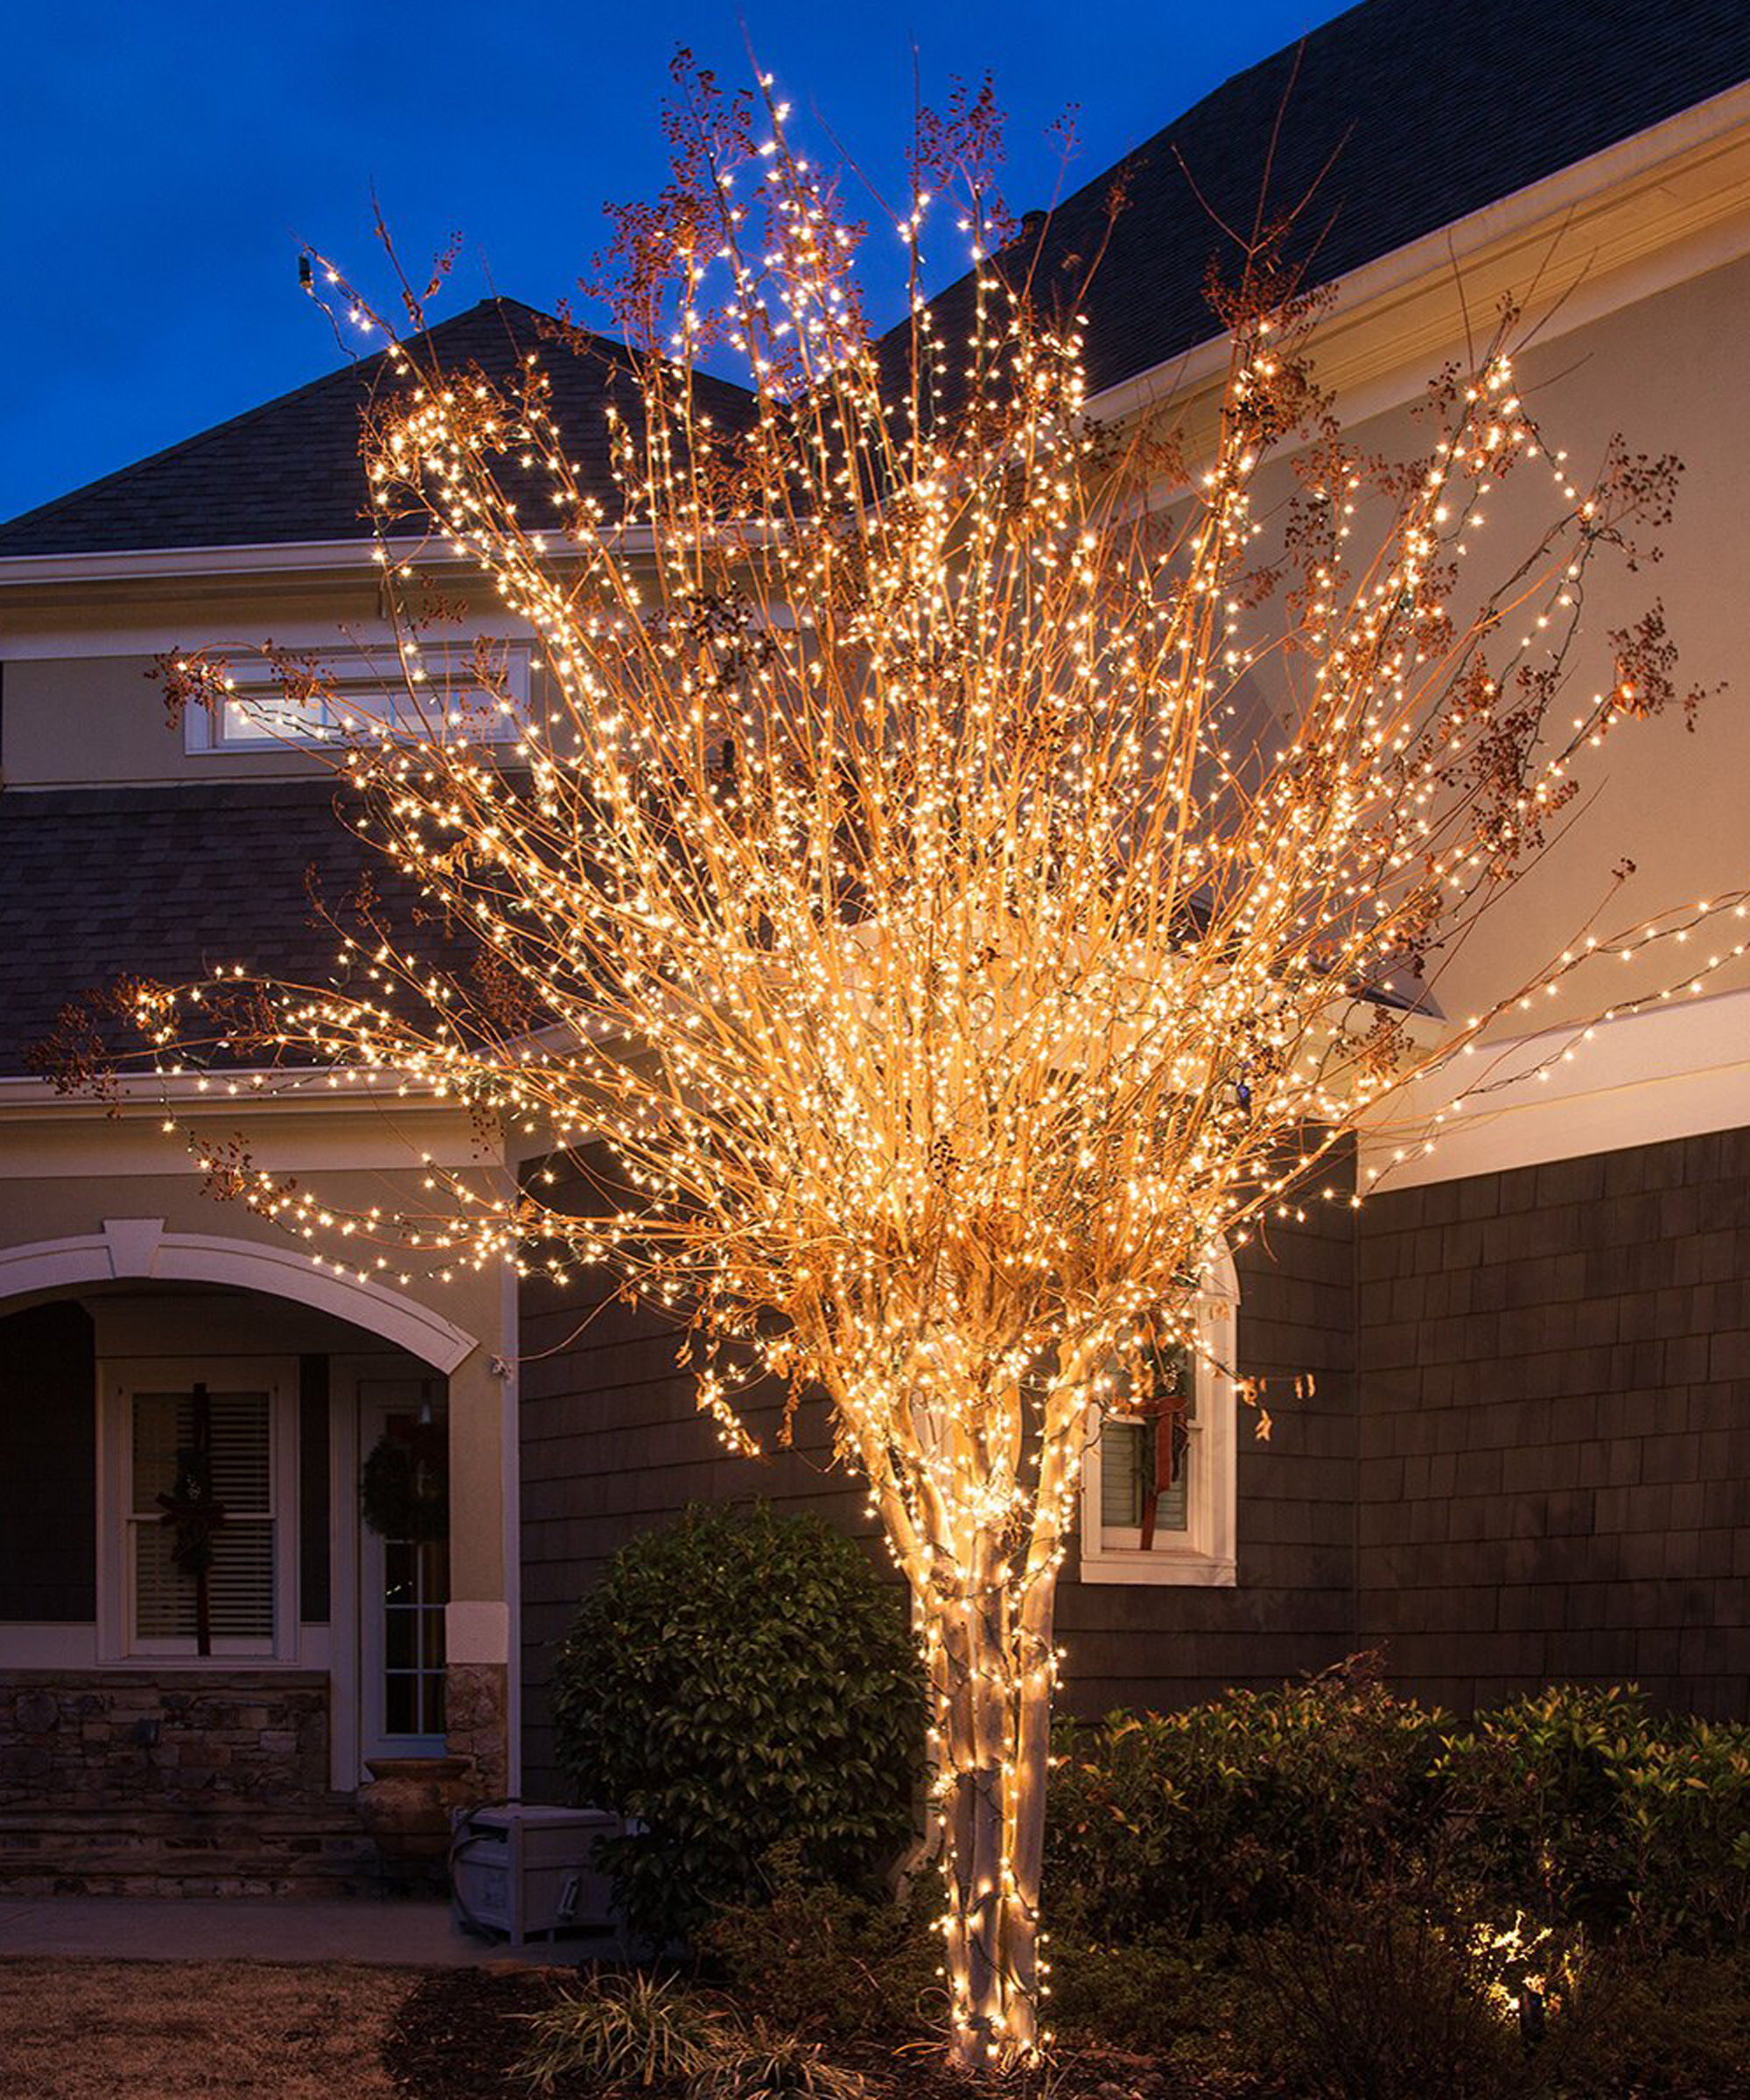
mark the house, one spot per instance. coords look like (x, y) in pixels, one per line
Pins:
(1527, 1455)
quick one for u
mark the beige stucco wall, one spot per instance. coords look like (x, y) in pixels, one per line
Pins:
(82, 706)
(1667, 371)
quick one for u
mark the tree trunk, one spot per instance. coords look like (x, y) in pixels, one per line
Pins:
(992, 1674)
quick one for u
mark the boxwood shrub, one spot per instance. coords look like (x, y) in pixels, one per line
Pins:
(1578, 1807)
(739, 1681)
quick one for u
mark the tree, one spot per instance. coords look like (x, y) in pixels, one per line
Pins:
(973, 865)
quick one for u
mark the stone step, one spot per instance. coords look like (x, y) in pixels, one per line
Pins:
(316, 1850)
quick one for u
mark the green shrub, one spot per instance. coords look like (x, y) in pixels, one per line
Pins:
(830, 1961)
(1373, 1998)
(1589, 1810)
(1576, 1807)
(1677, 2029)
(736, 1681)
(1377, 2000)
(1223, 1816)
(1176, 1997)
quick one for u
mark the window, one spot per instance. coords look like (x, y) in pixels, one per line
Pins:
(198, 1532)
(415, 1585)
(196, 1452)
(1157, 1503)
(365, 690)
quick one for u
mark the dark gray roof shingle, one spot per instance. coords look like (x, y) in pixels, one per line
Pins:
(291, 470)
(1400, 117)
(168, 883)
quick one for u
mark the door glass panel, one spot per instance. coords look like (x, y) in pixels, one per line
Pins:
(413, 1642)
(407, 1586)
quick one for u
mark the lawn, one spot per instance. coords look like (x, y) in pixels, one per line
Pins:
(94, 2030)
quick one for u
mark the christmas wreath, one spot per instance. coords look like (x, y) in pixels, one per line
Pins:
(404, 1486)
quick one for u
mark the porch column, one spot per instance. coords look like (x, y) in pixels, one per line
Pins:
(477, 1621)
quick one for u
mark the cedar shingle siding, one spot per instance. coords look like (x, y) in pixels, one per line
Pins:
(612, 1443)
(1293, 1606)
(1527, 1458)
(1556, 1426)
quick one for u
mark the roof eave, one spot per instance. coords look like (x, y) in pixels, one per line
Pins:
(1631, 162)
(286, 557)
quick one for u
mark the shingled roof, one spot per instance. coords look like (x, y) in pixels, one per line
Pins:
(290, 471)
(1407, 115)
(1397, 118)
(167, 884)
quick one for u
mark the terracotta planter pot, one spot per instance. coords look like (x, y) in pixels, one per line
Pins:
(406, 1809)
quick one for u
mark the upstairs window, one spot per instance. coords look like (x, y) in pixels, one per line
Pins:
(364, 694)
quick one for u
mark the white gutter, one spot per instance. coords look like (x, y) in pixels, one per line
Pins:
(266, 557)
(1438, 252)
(257, 1089)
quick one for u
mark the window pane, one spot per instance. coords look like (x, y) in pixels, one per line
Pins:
(1127, 1476)
(239, 1585)
(234, 1471)
(270, 718)
(240, 1456)
(401, 1648)
(401, 1703)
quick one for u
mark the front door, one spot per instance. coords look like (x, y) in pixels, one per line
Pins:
(404, 1575)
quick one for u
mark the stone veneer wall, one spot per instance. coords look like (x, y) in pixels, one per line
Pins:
(1555, 1421)
(476, 1709)
(87, 1740)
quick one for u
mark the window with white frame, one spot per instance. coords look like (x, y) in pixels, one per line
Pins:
(203, 1516)
(198, 1551)
(1159, 1487)
(433, 690)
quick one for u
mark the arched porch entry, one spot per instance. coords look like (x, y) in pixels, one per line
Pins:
(310, 1643)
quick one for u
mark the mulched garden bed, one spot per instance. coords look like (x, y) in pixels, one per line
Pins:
(458, 2030)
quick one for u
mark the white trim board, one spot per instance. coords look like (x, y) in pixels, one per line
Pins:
(140, 1247)
(271, 557)
(1677, 1071)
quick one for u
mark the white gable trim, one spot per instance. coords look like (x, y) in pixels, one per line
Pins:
(1678, 1070)
(140, 1247)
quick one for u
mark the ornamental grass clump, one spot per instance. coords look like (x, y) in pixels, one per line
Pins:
(633, 2030)
(758, 2062)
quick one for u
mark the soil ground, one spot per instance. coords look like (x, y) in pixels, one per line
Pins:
(155, 2030)
(81, 2030)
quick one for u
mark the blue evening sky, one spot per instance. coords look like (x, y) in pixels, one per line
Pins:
(162, 163)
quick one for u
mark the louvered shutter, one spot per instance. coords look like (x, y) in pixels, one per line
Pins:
(241, 1582)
